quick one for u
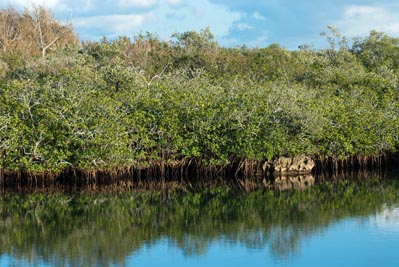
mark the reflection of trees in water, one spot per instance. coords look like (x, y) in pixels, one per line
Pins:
(284, 241)
(100, 230)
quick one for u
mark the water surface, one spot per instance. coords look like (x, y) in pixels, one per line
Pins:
(331, 224)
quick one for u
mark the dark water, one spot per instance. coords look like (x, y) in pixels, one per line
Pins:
(341, 223)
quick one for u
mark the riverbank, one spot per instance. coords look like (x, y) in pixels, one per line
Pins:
(281, 174)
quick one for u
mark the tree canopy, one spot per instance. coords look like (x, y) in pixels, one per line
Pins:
(130, 101)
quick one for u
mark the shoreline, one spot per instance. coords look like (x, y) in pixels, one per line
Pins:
(246, 175)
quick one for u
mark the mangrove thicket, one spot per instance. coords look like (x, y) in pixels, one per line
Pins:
(126, 103)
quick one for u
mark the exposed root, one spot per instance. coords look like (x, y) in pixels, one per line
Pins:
(188, 174)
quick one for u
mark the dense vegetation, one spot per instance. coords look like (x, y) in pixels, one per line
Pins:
(124, 103)
(105, 229)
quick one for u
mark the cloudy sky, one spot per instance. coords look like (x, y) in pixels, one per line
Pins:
(255, 23)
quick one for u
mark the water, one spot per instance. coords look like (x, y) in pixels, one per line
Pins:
(333, 224)
(350, 242)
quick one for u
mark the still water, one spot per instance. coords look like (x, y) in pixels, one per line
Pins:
(331, 224)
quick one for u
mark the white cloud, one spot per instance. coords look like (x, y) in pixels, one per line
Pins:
(93, 19)
(242, 26)
(355, 11)
(86, 5)
(163, 19)
(52, 4)
(174, 2)
(256, 15)
(191, 15)
(360, 20)
(136, 3)
(109, 25)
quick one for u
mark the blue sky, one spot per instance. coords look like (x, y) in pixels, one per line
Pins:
(255, 23)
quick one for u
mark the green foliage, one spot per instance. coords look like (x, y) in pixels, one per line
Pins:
(377, 51)
(123, 103)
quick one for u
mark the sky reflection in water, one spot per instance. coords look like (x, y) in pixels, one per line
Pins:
(372, 241)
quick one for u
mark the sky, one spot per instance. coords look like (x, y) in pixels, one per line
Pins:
(254, 23)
